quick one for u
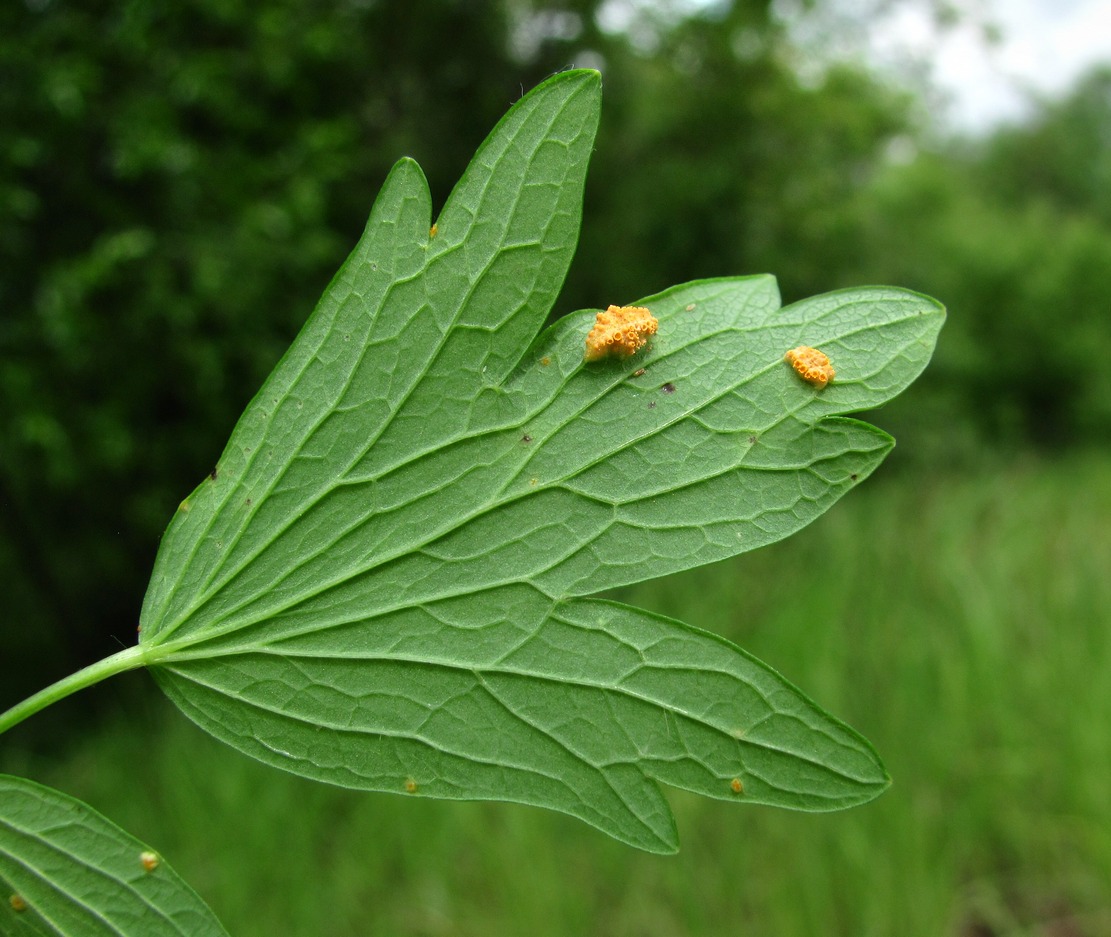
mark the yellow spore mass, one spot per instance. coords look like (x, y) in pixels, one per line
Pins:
(619, 332)
(812, 365)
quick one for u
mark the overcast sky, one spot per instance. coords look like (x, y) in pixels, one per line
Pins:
(1045, 45)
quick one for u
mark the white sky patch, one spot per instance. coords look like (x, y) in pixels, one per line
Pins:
(1044, 45)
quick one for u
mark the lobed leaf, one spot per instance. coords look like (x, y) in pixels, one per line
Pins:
(381, 583)
(66, 870)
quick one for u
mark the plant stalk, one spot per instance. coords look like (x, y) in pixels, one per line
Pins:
(129, 659)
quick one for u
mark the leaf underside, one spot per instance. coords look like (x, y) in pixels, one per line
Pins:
(66, 870)
(382, 583)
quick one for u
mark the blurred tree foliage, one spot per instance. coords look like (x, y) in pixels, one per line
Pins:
(1013, 232)
(178, 181)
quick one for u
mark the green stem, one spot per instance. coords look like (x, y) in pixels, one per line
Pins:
(129, 659)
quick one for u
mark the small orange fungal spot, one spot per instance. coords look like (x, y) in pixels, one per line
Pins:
(410, 786)
(545, 361)
(149, 860)
(619, 332)
(18, 903)
(736, 786)
(811, 365)
(432, 231)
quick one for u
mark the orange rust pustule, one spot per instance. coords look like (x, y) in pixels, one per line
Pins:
(619, 332)
(812, 365)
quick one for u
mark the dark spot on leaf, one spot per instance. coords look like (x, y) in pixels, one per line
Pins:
(212, 475)
(526, 439)
(248, 502)
(668, 388)
(853, 476)
(640, 372)
(752, 440)
(651, 404)
(18, 903)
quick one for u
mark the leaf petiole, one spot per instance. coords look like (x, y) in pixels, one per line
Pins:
(129, 659)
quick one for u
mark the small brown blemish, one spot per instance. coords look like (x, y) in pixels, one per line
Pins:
(526, 439)
(212, 475)
(752, 440)
(18, 903)
(853, 477)
(811, 365)
(545, 361)
(248, 502)
(533, 482)
(149, 860)
(690, 308)
(651, 404)
(432, 231)
(640, 372)
(619, 332)
(736, 786)
(410, 786)
(668, 388)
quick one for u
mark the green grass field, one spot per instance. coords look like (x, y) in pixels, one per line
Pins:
(962, 624)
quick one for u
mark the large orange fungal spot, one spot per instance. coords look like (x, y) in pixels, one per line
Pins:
(619, 332)
(811, 365)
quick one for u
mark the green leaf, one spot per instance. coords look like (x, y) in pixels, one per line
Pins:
(380, 584)
(66, 870)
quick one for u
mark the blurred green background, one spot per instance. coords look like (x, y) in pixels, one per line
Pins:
(179, 181)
